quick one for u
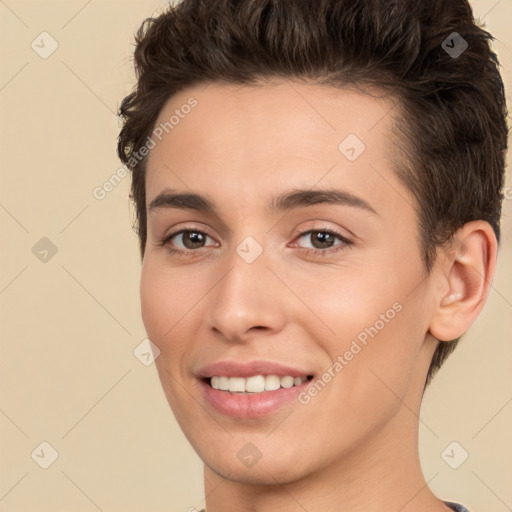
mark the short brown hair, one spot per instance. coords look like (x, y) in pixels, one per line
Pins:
(453, 108)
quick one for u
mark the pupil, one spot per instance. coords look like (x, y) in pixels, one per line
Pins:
(324, 239)
(192, 239)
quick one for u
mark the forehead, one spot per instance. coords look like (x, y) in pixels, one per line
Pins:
(270, 135)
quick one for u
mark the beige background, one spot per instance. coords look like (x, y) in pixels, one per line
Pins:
(70, 325)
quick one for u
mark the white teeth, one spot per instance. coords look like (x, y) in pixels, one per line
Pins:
(272, 382)
(236, 384)
(286, 382)
(223, 383)
(255, 383)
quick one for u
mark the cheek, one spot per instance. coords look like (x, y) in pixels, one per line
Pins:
(165, 298)
(154, 302)
(171, 310)
(375, 325)
(163, 303)
(346, 302)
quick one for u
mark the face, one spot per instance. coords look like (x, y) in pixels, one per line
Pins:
(279, 246)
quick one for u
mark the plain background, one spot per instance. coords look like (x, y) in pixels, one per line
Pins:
(70, 324)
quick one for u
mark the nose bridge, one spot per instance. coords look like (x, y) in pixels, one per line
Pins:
(243, 298)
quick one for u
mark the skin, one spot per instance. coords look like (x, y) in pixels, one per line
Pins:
(354, 446)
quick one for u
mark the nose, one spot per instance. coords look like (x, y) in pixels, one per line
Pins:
(246, 301)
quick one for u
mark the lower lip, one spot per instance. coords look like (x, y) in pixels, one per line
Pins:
(251, 405)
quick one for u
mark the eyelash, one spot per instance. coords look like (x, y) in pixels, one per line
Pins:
(346, 243)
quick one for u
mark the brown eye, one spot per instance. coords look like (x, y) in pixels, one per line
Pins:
(193, 239)
(188, 239)
(322, 239)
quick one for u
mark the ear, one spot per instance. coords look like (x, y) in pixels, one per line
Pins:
(465, 272)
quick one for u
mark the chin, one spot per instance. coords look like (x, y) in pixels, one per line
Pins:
(258, 459)
(264, 472)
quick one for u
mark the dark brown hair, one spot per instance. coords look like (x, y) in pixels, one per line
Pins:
(451, 105)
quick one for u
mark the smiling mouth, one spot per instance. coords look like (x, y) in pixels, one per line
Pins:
(255, 384)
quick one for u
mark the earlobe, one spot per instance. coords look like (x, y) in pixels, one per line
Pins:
(464, 278)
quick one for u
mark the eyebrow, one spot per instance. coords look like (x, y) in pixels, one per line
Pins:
(289, 200)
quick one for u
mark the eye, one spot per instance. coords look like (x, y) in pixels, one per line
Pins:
(323, 240)
(187, 240)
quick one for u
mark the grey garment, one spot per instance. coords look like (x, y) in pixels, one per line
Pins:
(455, 506)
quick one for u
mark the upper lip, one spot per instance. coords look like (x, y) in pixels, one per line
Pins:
(249, 368)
